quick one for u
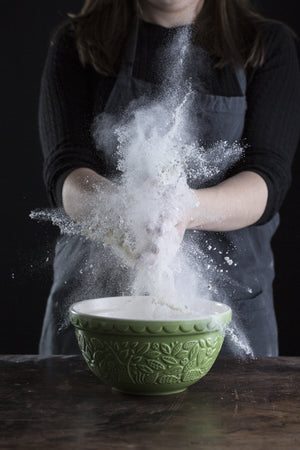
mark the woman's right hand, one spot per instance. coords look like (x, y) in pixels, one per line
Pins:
(81, 191)
(98, 206)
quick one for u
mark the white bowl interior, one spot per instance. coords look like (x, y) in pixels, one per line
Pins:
(147, 308)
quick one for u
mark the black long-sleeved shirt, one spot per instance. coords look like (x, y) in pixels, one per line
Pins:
(71, 95)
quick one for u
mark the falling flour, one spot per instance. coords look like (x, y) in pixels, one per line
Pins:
(158, 158)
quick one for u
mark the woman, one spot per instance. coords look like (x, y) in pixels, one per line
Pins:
(252, 94)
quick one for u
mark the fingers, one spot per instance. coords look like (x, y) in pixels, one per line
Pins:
(154, 249)
(154, 230)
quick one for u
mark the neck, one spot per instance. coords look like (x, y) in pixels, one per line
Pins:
(170, 13)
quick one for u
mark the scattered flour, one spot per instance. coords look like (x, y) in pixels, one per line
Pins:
(157, 158)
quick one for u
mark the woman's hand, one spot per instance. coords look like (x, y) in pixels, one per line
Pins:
(81, 191)
(97, 204)
(233, 204)
(165, 237)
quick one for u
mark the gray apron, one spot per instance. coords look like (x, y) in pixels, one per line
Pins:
(239, 263)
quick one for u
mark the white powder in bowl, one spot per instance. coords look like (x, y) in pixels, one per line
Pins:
(146, 308)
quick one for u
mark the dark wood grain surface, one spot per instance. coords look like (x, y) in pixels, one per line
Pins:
(58, 403)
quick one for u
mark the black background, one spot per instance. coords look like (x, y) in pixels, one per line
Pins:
(27, 246)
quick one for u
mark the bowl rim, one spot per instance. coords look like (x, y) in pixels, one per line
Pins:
(150, 326)
(73, 310)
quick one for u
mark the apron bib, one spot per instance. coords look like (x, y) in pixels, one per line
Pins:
(243, 280)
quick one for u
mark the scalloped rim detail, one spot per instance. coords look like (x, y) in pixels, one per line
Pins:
(127, 327)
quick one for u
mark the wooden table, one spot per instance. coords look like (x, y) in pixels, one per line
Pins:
(57, 403)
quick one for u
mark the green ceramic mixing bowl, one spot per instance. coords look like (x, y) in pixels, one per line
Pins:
(148, 357)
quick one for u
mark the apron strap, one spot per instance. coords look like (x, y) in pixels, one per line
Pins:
(242, 80)
(127, 62)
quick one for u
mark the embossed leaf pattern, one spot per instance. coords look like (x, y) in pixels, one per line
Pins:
(166, 349)
(100, 356)
(156, 365)
(169, 360)
(176, 349)
(144, 362)
(124, 355)
(187, 345)
(193, 351)
(145, 369)
(142, 348)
